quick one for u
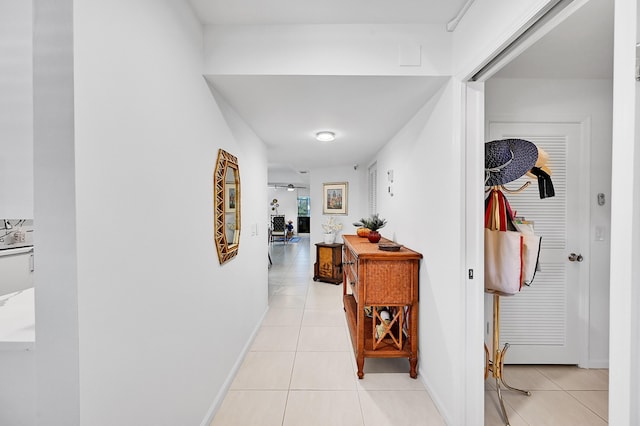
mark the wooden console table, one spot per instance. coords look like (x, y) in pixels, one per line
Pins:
(379, 279)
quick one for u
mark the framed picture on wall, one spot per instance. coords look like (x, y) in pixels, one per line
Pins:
(334, 197)
(229, 198)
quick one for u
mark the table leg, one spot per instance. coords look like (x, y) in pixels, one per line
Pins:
(413, 364)
(360, 362)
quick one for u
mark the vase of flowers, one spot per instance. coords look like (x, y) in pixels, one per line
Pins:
(373, 223)
(330, 228)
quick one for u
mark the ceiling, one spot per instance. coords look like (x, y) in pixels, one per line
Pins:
(366, 111)
(287, 111)
(327, 11)
(580, 47)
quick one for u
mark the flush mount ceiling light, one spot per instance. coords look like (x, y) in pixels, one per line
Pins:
(325, 136)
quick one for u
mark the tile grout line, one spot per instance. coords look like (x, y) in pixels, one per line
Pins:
(295, 356)
(283, 270)
(586, 406)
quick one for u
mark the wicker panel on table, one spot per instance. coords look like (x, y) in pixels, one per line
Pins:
(393, 284)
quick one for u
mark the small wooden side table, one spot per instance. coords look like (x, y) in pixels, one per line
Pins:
(328, 266)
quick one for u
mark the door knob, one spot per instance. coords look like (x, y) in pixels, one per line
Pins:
(576, 257)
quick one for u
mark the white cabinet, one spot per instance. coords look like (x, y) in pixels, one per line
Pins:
(16, 269)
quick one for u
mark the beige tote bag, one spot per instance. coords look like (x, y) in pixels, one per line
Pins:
(503, 262)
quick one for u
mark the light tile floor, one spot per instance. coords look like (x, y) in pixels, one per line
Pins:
(560, 395)
(301, 370)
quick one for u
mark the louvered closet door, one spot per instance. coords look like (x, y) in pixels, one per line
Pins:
(542, 322)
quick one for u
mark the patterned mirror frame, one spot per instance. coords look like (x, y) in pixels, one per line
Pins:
(225, 163)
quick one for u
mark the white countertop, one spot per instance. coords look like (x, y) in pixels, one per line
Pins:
(17, 317)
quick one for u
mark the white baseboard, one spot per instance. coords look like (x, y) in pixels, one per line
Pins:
(436, 401)
(217, 402)
(597, 363)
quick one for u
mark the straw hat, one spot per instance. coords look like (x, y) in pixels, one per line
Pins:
(508, 159)
(542, 163)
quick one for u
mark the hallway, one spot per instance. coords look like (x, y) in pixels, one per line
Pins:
(301, 370)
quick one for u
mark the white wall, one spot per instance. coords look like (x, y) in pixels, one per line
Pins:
(545, 99)
(254, 166)
(325, 49)
(288, 205)
(55, 276)
(425, 214)
(16, 110)
(160, 324)
(356, 202)
(633, 320)
(486, 29)
(17, 364)
(624, 374)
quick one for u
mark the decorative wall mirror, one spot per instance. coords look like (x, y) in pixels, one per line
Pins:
(226, 206)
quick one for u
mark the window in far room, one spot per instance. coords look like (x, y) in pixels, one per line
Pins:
(304, 211)
(304, 207)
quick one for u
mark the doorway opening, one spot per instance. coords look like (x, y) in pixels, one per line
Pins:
(551, 84)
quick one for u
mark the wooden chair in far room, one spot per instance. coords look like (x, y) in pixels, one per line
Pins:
(278, 228)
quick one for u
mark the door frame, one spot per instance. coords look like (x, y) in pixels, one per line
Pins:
(624, 331)
(584, 219)
(473, 178)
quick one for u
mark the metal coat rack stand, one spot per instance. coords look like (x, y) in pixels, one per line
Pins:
(494, 364)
